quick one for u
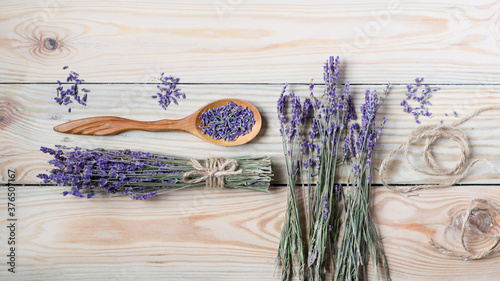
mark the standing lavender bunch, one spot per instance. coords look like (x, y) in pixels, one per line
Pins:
(359, 234)
(330, 122)
(316, 145)
(291, 246)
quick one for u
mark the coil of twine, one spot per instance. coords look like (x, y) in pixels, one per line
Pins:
(431, 134)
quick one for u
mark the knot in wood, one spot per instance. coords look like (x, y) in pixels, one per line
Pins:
(476, 222)
(50, 44)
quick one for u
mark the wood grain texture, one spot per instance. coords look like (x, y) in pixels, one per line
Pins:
(30, 115)
(247, 50)
(192, 235)
(239, 41)
(408, 223)
(219, 235)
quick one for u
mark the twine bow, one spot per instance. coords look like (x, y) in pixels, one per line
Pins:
(213, 173)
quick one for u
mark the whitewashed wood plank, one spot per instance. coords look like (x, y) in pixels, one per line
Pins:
(189, 235)
(217, 235)
(29, 114)
(239, 41)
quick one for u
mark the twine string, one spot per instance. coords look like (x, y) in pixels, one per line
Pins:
(213, 173)
(470, 255)
(431, 134)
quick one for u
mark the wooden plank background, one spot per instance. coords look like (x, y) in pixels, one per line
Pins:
(244, 49)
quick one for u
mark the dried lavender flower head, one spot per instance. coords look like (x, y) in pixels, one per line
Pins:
(168, 91)
(66, 96)
(227, 122)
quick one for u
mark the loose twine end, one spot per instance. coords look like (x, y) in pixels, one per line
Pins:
(431, 134)
(214, 172)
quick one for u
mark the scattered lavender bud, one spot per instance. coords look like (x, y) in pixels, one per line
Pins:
(455, 113)
(421, 98)
(66, 96)
(168, 91)
(227, 122)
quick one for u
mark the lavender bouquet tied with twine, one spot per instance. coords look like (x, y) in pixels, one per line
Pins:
(142, 175)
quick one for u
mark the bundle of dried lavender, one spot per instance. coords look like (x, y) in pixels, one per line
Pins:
(330, 122)
(332, 128)
(359, 237)
(291, 247)
(323, 121)
(142, 175)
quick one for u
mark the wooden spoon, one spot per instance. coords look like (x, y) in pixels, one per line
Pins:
(109, 125)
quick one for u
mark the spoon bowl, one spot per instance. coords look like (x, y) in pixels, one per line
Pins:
(110, 125)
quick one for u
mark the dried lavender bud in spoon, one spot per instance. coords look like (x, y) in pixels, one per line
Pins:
(227, 122)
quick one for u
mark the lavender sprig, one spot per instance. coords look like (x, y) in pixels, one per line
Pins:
(227, 122)
(168, 91)
(141, 175)
(422, 98)
(66, 96)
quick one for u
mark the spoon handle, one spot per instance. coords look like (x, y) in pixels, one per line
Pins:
(109, 125)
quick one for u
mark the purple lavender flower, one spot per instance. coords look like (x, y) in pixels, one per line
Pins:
(168, 91)
(227, 122)
(330, 75)
(109, 172)
(66, 96)
(141, 175)
(422, 99)
(326, 210)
